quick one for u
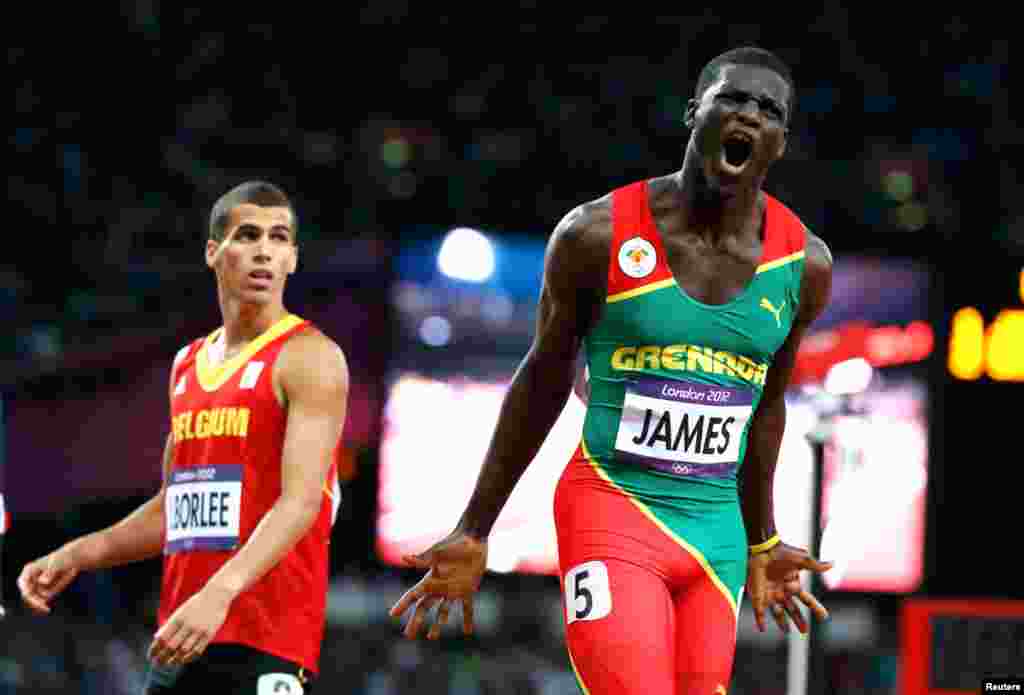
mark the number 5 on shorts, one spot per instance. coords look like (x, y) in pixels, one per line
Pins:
(587, 594)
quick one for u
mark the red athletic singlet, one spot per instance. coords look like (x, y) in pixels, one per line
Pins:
(228, 434)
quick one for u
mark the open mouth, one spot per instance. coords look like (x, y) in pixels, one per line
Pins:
(261, 275)
(737, 150)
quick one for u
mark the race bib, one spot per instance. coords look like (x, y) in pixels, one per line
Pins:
(683, 427)
(203, 508)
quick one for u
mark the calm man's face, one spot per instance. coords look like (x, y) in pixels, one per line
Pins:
(257, 254)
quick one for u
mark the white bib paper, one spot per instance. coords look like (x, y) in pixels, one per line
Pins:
(203, 509)
(683, 427)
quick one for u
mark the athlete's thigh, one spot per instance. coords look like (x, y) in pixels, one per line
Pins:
(197, 676)
(705, 639)
(229, 669)
(247, 671)
(162, 680)
(270, 683)
(619, 628)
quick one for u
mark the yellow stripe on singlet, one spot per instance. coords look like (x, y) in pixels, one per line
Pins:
(779, 262)
(637, 291)
(576, 672)
(697, 555)
(668, 282)
(212, 376)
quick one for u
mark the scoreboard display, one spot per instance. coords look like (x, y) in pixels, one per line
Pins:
(955, 647)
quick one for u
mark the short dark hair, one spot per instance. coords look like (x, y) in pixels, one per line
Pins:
(746, 55)
(260, 193)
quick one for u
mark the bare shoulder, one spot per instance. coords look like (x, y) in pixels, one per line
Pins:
(818, 254)
(577, 252)
(586, 224)
(817, 285)
(311, 357)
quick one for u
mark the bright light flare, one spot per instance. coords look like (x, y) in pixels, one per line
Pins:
(466, 254)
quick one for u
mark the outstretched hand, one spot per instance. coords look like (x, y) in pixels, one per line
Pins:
(773, 582)
(455, 566)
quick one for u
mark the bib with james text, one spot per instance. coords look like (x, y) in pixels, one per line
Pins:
(683, 427)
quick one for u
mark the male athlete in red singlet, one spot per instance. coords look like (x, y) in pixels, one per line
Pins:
(690, 293)
(249, 495)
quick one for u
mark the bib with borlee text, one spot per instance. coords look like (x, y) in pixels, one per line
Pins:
(203, 508)
(682, 427)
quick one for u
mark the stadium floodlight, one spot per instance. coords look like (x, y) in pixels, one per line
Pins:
(466, 254)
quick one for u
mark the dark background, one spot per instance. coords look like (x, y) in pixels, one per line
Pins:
(382, 122)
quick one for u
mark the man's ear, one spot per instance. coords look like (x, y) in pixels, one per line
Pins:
(782, 144)
(691, 113)
(212, 248)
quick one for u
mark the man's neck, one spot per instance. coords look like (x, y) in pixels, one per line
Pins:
(243, 322)
(710, 213)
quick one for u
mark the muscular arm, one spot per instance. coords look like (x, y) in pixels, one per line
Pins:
(544, 379)
(769, 422)
(313, 377)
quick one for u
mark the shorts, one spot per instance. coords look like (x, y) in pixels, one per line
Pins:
(646, 612)
(230, 669)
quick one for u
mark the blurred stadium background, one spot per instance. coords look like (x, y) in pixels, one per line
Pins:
(392, 125)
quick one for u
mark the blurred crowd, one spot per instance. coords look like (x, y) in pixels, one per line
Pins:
(384, 117)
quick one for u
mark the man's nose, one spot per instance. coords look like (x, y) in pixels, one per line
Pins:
(749, 112)
(262, 250)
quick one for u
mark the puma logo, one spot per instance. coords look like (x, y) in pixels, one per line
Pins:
(765, 304)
